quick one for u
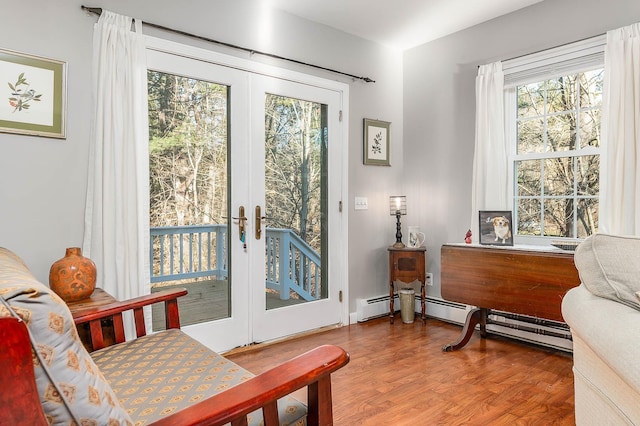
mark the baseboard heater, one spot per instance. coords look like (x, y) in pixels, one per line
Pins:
(551, 328)
(375, 307)
(378, 306)
(529, 329)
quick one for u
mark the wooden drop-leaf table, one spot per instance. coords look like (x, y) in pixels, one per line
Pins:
(524, 280)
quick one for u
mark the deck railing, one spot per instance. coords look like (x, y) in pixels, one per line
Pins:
(181, 252)
(291, 265)
(184, 252)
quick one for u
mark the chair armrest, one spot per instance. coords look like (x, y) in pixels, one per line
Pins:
(94, 315)
(312, 369)
(105, 311)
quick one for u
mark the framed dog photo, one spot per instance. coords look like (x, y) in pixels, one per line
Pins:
(495, 227)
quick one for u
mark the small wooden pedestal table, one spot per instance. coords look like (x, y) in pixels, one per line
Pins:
(406, 265)
(524, 280)
(99, 297)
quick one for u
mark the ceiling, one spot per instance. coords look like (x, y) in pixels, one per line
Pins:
(401, 24)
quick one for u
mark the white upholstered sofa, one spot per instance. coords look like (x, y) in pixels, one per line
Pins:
(604, 316)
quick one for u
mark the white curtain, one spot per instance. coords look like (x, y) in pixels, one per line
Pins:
(620, 177)
(117, 205)
(490, 173)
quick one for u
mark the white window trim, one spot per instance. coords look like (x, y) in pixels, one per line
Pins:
(564, 59)
(570, 58)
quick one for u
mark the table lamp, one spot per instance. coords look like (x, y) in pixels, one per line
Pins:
(397, 208)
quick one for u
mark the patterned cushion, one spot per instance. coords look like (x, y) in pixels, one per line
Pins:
(69, 382)
(159, 374)
(609, 267)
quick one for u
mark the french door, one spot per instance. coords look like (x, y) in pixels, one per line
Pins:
(270, 188)
(293, 129)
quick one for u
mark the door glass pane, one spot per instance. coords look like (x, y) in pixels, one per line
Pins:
(296, 201)
(188, 157)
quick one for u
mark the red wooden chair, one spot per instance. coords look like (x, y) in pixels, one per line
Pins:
(20, 404)
(19, 400)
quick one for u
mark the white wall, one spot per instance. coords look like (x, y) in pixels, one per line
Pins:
(439, 103)
(43, 181)
(429, 97)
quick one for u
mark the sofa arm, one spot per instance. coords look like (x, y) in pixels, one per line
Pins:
(94, 315)
(312, 369)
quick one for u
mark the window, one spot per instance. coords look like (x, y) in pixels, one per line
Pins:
(557, 159)
(554, 135)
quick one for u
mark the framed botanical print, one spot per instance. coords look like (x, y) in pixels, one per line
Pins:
(376, 142)
(32, 95)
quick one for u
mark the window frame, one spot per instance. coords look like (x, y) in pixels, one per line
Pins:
(581, 56)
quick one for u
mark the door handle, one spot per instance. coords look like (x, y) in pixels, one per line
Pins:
(259, 218)
(242, 223)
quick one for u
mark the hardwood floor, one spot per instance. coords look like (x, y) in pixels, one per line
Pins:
(398, 375)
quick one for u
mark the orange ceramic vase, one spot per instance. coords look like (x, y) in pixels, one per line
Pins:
(74, 276)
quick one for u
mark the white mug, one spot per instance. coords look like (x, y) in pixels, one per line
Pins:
(416, 238)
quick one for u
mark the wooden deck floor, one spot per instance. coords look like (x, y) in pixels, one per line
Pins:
(399, 376)
(207, 300)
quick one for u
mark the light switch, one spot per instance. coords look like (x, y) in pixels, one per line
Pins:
(362, 203)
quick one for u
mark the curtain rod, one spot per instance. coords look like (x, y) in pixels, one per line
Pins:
(98, 11)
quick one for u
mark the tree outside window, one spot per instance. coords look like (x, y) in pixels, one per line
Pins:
(557, 160)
